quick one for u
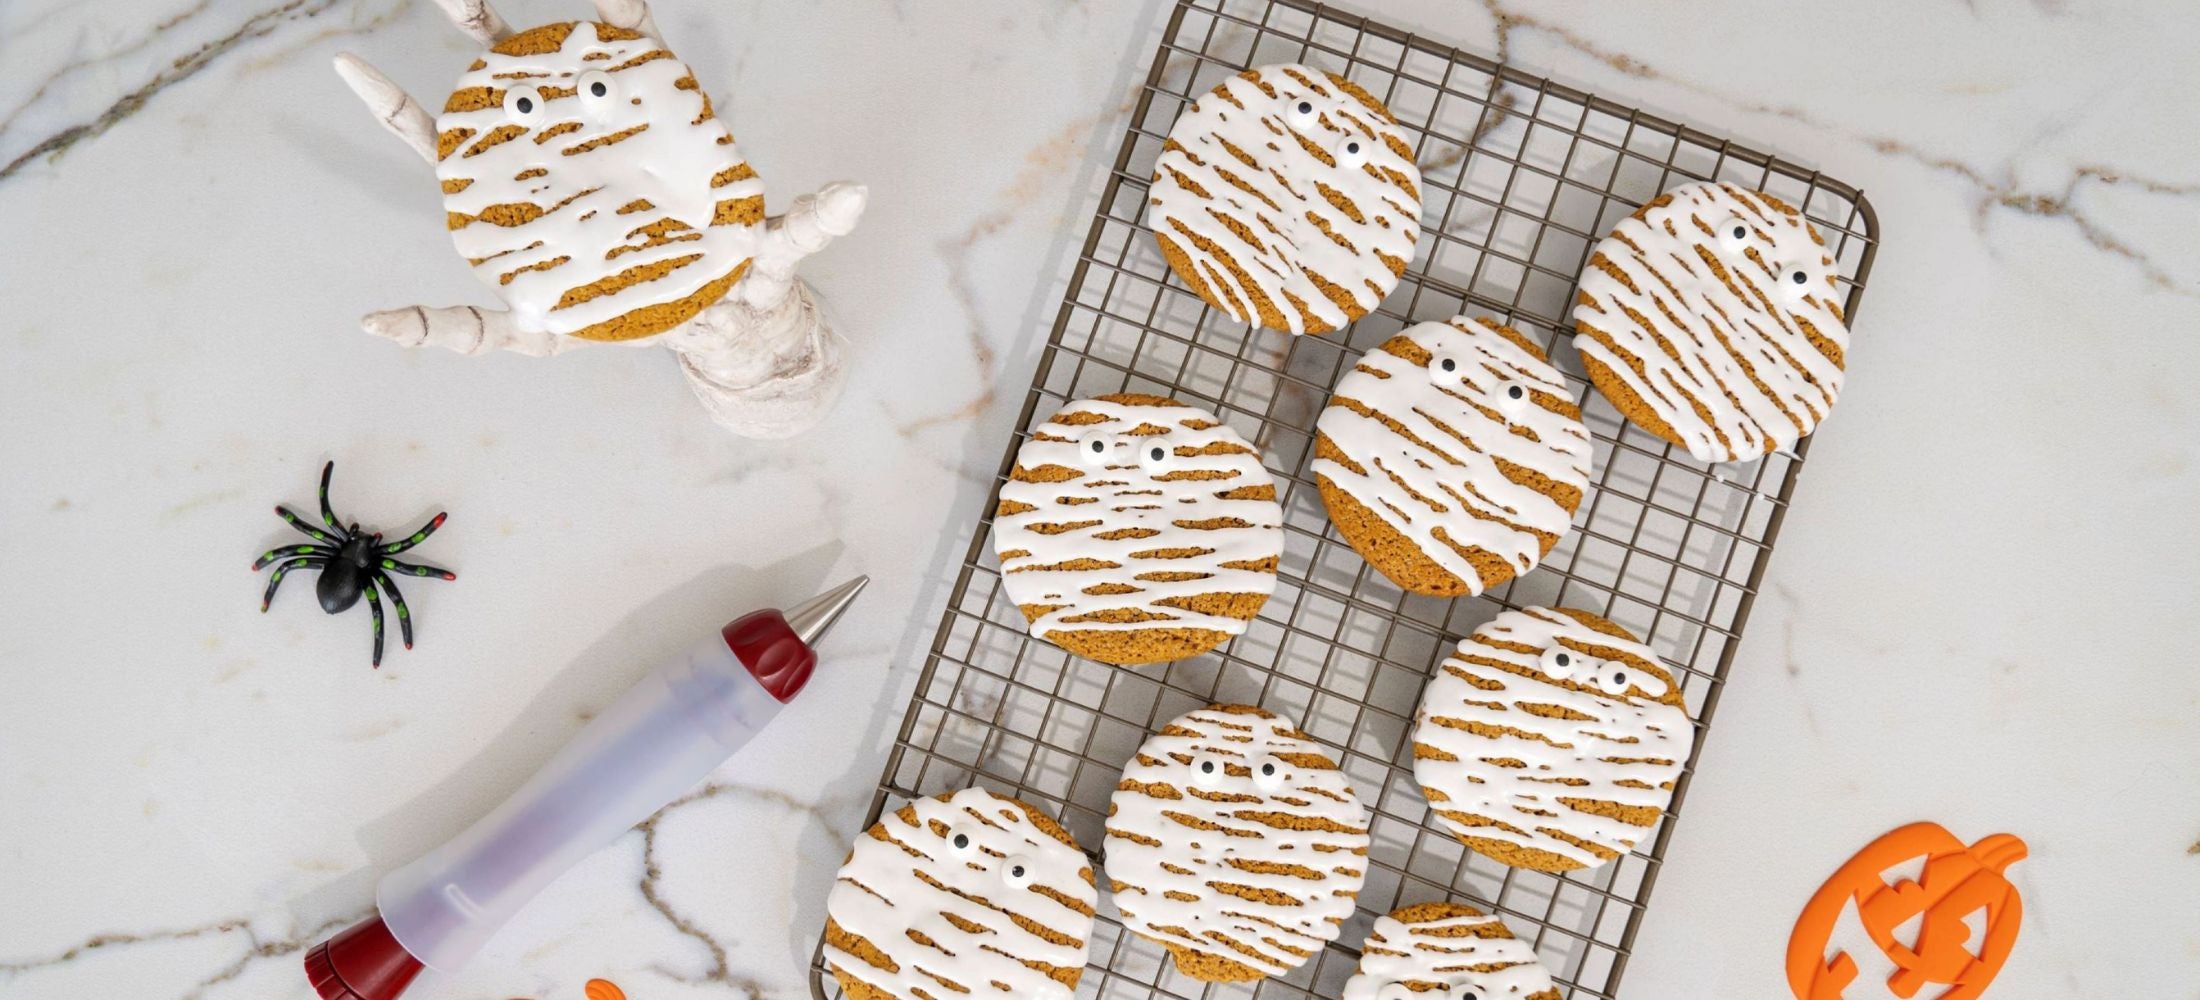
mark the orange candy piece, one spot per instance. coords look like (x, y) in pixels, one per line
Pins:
(1957, 882)
(604, 989)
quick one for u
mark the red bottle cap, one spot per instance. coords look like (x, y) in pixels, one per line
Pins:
(775, 646)
(363, 963)
(774, 654)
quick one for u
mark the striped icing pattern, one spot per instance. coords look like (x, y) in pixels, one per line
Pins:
(1292, 194)
(1133, 512)
(1462, 438)
(1446, 951)
(1001, 906)
(1715, 307)
(580, 208)
(1231, 834)
(1541, 734)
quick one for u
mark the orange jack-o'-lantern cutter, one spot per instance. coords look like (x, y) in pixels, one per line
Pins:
(1959, 887)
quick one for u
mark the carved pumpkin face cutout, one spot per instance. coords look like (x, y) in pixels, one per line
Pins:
(1965, 915)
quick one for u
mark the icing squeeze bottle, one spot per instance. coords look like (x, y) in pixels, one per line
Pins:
(657, 741)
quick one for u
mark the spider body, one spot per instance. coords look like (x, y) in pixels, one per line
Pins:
(352, 564)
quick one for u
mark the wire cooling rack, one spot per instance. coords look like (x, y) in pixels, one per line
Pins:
(1521, 177)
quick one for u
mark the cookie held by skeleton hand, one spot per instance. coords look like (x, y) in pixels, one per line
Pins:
(1137, 529)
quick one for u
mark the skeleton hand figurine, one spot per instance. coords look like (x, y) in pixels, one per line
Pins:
(588, 182)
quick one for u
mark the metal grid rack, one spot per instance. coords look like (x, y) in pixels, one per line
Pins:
(1521, 177)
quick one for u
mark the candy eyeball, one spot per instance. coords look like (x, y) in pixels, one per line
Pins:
(1734, 233)
(1301, 115)
(1351, 154)
(1614, 679)
(523, 105)
(1443, 369)
(1512, 396)
(1794, 280)
(1270, 773)
(1094, 448)
(1155, 455)
(1563, 663)
(1208, 771)
(599, 93)
(960, 843)
(1016, 871)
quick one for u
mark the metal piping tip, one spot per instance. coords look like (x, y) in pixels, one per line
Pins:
(811, 618)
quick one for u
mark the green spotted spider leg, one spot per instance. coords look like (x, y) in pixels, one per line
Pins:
(401, 567)
(416, 537)
(374, 604)
(404, 614)
(277, 579)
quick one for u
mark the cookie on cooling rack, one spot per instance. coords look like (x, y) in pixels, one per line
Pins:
(1288, 198)
(1452, 456)
(1709, 318)
(967, 895)
(1446, 951)
(1137, 529)
(1235, 843)
(1551, 739)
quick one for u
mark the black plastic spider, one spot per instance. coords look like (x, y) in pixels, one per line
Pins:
(351, 563)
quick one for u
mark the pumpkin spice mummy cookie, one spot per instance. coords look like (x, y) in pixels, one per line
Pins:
(967, 895)
(1235, 843)
(1551, 739)
(1708, 318)
(587, 180)
(1452, 457)
(1287, 197)
(1446, 951)
(1136, 529)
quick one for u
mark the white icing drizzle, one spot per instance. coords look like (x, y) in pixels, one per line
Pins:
(1734, 359)
(916, 878)
(1155, 847)
(1148, 506)
(670, 164)
(1435, 952)
(1629, 749)
(1442, 475)
(1281, 205)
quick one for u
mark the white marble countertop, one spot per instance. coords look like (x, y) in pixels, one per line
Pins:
(1982, 612)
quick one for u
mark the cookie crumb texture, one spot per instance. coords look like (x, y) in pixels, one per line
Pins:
(1452, 457)
(1137, 529)
(1236, 843)
(1288, 198)
(1709, 318)
(589, 183)
(964, 895)
(1551, 739)
(1447, 950)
